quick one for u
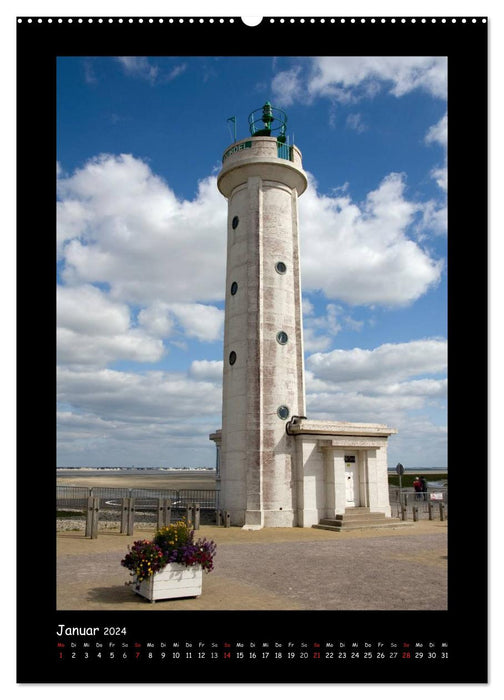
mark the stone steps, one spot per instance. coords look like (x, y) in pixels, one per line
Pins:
(357, 519)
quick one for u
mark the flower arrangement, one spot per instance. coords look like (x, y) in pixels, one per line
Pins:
(144, 559)
(173, 544)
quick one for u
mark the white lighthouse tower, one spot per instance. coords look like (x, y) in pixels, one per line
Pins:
(273, 469)
(263, 387)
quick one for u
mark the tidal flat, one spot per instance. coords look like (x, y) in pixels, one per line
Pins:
(148, 480)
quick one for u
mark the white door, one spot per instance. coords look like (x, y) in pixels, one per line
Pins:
(351, 481)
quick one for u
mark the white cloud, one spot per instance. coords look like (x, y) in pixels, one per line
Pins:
(94, 330)
(142, 67)
(89, 74)
(314, 342)
(156, 418)
(77, 349)
(438, 133)
(287, 87)
(86, 309)
(391, 362)
(429, 388)
(152, 397)
(331, 321)
(391, 385)
(207, 370)
(345, 78)
(156, 320)
(360, 253)
(434, 218)
(200, 321)
(318, 331)
(354, 121)
(73, 219)
(119, 223)
(139, 67)
(419, 444)
(357, 407)
(308, 307)
(176, 71)
(85, 439)
(440, 175)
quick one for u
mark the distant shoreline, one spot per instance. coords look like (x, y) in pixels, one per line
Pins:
(419, 471)
(208, 470)
(133, 469)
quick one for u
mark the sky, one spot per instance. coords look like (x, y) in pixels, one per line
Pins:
(141, 246)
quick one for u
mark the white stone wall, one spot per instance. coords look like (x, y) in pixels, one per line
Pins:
(320, 469)
(310, 481)
(382, 504)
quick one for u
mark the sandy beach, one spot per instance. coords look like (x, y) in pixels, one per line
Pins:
(122, 479)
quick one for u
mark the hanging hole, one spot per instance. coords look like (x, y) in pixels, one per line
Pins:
(251, 21)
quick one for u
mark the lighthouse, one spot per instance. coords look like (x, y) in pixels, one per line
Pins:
(275, 468)
(262, 178)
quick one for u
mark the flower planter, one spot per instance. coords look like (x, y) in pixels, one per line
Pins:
(173, 581)
(174, 542)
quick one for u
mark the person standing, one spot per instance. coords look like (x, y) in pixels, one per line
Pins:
(423, 483)
(417, 485)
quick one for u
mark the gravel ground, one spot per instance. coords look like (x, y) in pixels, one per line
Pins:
(292, 569)
(393, 573)
(109, 520)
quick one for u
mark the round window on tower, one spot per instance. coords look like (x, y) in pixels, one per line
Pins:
(235, 222)
(283, 412)
(232, 357)
(282, 337)
(234, 288)
(281, 268)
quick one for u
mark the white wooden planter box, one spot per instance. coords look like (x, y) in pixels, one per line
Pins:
(174, 581)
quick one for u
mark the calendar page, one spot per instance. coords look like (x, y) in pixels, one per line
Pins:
(261, 282)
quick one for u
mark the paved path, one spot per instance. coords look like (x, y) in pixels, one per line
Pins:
(273, 569)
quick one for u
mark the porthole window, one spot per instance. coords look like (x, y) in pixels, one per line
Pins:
(281, 268)
(235, 222)
(283, 412)
(282, 337)
(234, 288)
(232, 357)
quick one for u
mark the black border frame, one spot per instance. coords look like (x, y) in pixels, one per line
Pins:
(464, 625)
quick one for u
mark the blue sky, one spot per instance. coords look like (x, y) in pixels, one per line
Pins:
(141, 247)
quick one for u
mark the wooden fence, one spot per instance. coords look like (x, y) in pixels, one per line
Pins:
(159, 506)
(127, 515)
